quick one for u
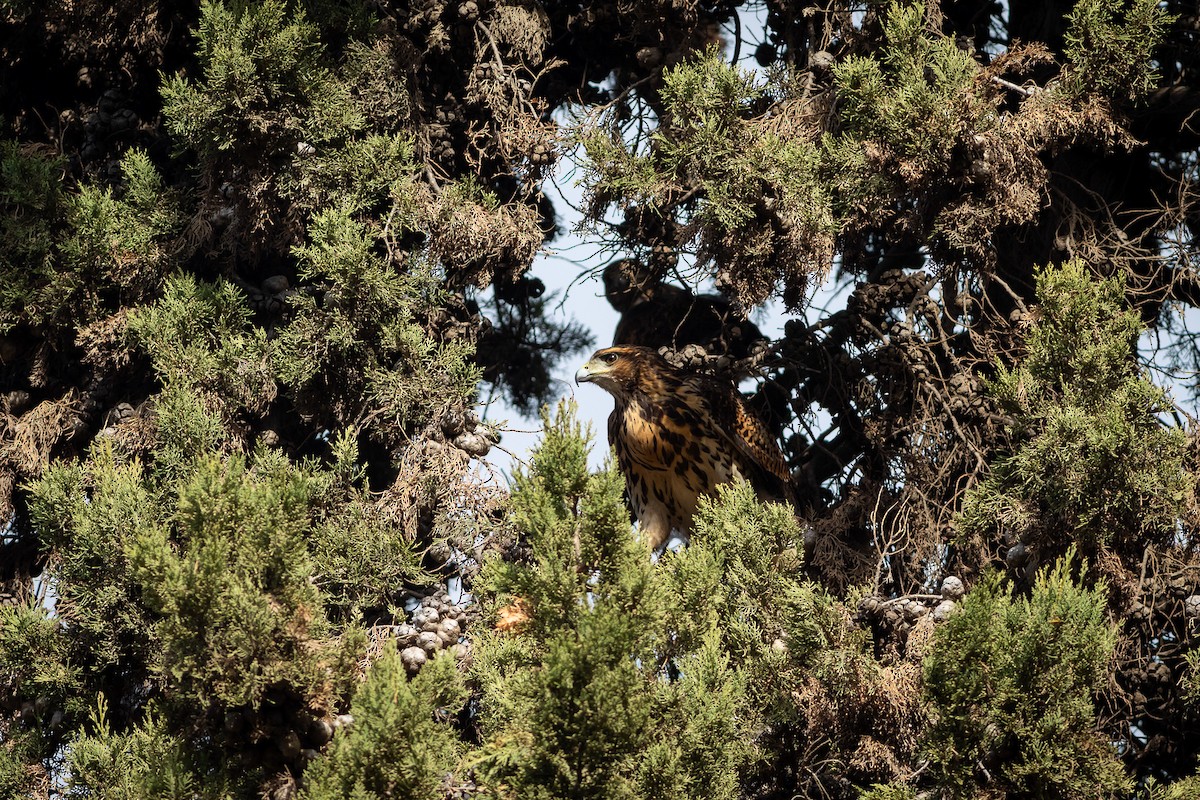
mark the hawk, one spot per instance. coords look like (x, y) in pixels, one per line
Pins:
(656, 314)
(679, 435)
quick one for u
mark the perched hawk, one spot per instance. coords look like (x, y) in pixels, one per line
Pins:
(679, 435)
(656, 314)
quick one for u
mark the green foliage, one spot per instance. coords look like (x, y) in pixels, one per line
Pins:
(124, 240)
(701, 744)
(68, 259)
(912, 96)
(633, 680)
(207, 584)
(1190, 680)
(35, 666)
(357, 176)
(206, 587)
(771, 191)
(740, 576)
(905, 112)
(576, 702)
(212, 363)
(1082, 347)
(380, 95)
(30, 204)
(1182, 789)
(1110, 45)
(196, 333)
(33, 655)
(400, 744)
(363, 343)
(146, 763)
(19, 751)
(364, 559)
(708, 102)
(806, 668)
(1092, 459)
(265, 86)
(1011, 683)
(272, 94)
(117, 248)
(746, 175)
(89, 513)
(237, 610)
(215, 553)
(889, 792)
(565, 705)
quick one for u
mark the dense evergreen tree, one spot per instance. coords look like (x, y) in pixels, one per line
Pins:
(257, 259)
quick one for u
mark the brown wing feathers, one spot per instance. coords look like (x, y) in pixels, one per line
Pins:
(753, 442)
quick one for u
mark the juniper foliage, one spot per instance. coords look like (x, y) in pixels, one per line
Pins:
(400, 742)
(1011, 683)
(1091, 453)
(567, 700)
(260, 258)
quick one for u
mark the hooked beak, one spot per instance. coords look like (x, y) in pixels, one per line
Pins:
(595, 371)
(584, 375)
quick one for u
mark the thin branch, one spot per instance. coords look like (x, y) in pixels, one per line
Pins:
(1021, 90)
(911, 597)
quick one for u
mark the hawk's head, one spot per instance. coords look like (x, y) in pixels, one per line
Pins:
(619, 370)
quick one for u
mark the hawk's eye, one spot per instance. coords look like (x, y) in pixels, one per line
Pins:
(609, 358)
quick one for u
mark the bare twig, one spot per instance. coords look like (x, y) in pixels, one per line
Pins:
(911, 597)
(1021, 90)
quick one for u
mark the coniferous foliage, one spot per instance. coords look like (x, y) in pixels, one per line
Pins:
(1089, 449)
(1011, 684)
(566, 708)
(627, 679)
(259, 257)
(400, 742)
